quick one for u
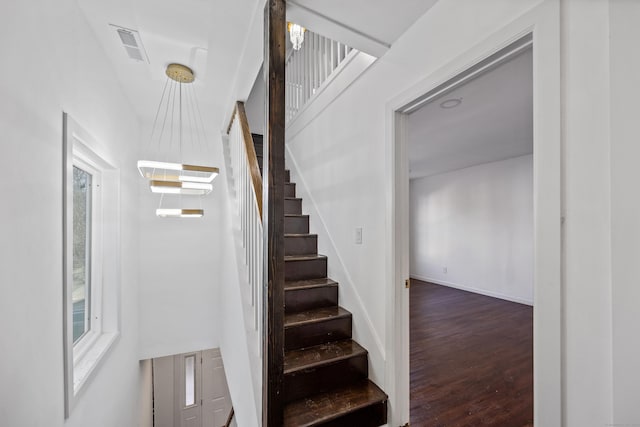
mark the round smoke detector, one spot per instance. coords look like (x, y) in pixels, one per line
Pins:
(451, 103)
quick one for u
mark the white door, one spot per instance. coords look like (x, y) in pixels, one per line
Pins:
(190, 390)
(188, 393)
(215, 402)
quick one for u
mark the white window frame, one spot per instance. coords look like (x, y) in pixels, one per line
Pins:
(82, 359)
(95, 284)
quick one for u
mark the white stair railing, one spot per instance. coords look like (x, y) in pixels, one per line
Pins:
(311, 68)
(248, 188)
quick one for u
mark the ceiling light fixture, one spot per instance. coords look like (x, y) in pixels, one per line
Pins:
(180, 213)
(450, 103)
(176, 171)
(296, 34)
(178, 107)
(174, 187)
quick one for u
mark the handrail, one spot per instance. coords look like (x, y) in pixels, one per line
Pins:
(252, 158)
(229, 418)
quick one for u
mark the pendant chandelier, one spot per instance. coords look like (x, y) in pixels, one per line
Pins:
(296, 34)
(178, 109)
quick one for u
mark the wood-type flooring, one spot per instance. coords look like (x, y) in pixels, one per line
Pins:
(471, 359)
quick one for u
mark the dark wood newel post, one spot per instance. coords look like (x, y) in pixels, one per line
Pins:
(273, 213)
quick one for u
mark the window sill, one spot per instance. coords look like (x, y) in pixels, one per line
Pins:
(90, 359)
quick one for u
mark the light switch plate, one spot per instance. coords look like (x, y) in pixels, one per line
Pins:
(358, 235)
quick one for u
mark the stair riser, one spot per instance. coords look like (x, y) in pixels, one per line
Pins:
(306, 335)
(290, 189)
(293, 206)
(299, 300)
(369, 416)
(296, 224)
(301, 384)
(287, 176)
(308, 269)
(300, 245)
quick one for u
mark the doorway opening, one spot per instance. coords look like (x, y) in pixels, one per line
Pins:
(471, 245)
(538, 31)
(190, 390)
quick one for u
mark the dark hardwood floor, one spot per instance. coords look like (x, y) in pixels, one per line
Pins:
(471, 359)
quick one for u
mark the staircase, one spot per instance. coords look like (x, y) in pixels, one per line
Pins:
(325, 372)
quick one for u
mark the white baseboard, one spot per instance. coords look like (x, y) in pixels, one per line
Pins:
(474, 290)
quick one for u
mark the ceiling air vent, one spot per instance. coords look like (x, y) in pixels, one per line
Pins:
(132, 43)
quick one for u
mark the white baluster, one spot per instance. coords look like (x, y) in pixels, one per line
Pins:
(316, 62)
(287, 86)
(326, 59)
(321, 68)
(334, 55)
(300, 81)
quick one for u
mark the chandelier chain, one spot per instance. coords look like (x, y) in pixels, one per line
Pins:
(166, 114)
(180, 111)
(195, 100)
(173, 116)
(155, 120)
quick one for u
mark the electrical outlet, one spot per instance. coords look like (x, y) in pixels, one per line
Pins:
(358, 235)
(444, 270)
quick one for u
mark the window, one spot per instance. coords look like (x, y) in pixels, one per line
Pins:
(190, 380)
(91, 281)
(81, 287)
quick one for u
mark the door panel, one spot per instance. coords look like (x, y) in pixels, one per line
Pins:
(215, 402)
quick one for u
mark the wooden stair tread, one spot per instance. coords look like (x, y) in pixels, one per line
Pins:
(304, 257)
(322, 354)
(292, 198)
(315, 315)
(324, 407)
(294, 285)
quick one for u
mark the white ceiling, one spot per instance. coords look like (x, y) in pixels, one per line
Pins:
(207, 35)
(493, 122)
(381, 20)
(220, 41)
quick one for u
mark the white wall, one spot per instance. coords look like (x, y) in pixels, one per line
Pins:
(55, 64)
(255, 106)
(625, 208)
(587, 231)
(477, 223)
